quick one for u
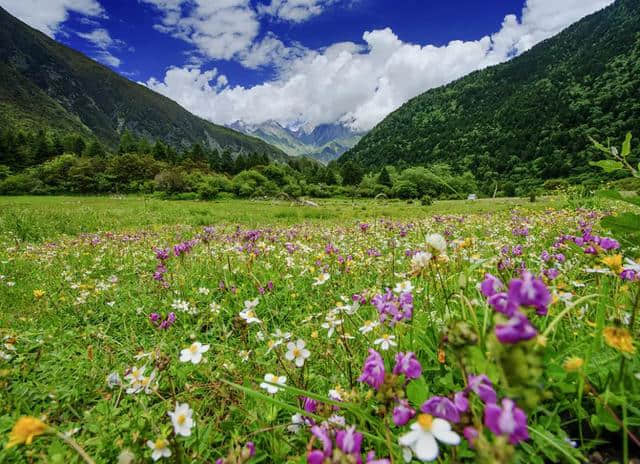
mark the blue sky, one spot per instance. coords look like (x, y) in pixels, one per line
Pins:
(299, 61)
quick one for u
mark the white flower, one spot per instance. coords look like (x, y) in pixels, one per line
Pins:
(321, 279)
(215, 308)
(335, 395)
(273, 379)
(251, 304)
(368, 326)
(331, 324)
(194, 353)
(272, 344)
(297, 421)
(385, 341)
(297, 352)
(203, 291)
(337, 420)
(249, 316)
(184, 306)
(280, 334)
(160, 449)
(437, 242)
(182, 420)
(403, 287)
(260, 336)
(420, 260)
(424, 433)
(138, 381)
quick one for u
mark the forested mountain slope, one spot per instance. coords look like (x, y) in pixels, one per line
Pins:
(527, 119)
(46, 85)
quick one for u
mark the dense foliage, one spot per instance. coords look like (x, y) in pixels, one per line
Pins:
(46, 163)
(44, 84)
(528, 120)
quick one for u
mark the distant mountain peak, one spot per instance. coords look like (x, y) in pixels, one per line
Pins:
(324, 142)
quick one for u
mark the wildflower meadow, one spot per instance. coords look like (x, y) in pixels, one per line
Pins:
(354, 332)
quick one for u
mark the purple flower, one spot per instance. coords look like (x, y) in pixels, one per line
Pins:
(530, 291)
(408, 365)
(395, 308)
(154, 317)
(349, 441)
(373, 370)
(441, 407)
(482, 386)
(628, 274)
(402, 413)
(309, 405)
(461, 401)
(471, 434)
(318, 456)
(507, 420)
(503, 304)
(490, 285)
(516, 329)
(607, 244)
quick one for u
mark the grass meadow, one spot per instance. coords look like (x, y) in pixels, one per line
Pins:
(493, 331)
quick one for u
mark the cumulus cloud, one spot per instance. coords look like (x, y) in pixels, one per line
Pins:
(359, 84)
(48, 15)
(219, 29)
(294, 10)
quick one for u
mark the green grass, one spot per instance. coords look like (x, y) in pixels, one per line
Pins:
(44, 218)
(76, 292)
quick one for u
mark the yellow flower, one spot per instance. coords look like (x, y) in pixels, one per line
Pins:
(573, 364)
(614, 263)
(37, 294)
(25, 430)
(619, 338)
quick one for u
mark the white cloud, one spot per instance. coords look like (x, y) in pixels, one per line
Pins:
(294, 10)
(219, 29)
(106, 57)
(99, 37)
(48, 15)
(103, 42)
(359, 84)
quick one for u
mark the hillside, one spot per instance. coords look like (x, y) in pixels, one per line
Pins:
(324, 143)
(44, 84)
(529, 118)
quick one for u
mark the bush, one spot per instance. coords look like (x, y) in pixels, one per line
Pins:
(404, 189)
(426, 200)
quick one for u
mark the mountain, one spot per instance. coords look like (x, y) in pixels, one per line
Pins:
(324, 143)
(44, 84)
(529, 118)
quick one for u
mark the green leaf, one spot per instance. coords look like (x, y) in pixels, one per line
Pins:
(417, 392)
(615, 195)
(599, 146)
(625, 223)
(607, 165)
(626, 146)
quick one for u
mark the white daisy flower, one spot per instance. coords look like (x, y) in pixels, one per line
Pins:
(385, 341)
(321, 279)
(193, 353)
(215, 308)
(403, 287)
(270, 379)
(297, 352)
(368, 326)
(160, 449)
(423, 435)
(182, 419)
(249, 316)
(204, 291)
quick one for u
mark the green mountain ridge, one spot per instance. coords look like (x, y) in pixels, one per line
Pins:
(528, 119)
(44, 84)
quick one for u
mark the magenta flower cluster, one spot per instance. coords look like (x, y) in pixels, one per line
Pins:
(528, 291)
(162, 323)
(347, 440)
(394, 308)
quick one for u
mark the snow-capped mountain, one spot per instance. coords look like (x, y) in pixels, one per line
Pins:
(323, 143)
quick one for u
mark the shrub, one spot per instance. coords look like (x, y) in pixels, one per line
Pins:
(404, 189)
